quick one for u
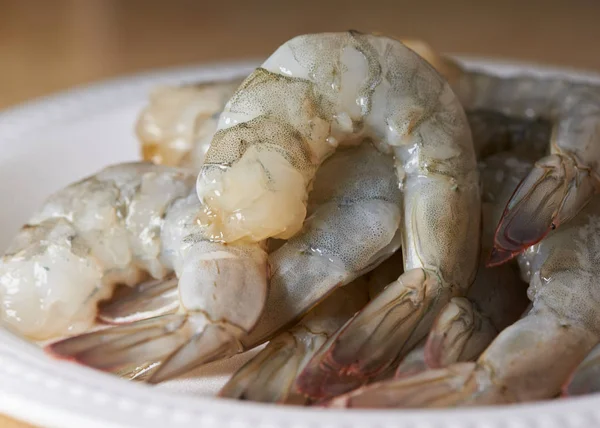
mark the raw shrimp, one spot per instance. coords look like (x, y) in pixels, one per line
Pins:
(585, 378)
(96, 233)
(465, 326)
(115, 227)
(531, 359)
(354, 228)
(494, 289)
(271, 375)
(317, 92)
(179, 122)
(559, 184)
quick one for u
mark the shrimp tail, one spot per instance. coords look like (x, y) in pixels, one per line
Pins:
(147, 300)
(215, 342)
(378, 336)
(174, 341)
(586, 377)
(445, 387)
(460, 333)
(413, 363)
(123, 346)
(270, 376)
(139, 373)
(555, 190)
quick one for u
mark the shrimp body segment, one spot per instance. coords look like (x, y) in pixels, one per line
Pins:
(85, 239)
(121, 226)
(318, 92)
(315, 93)
(566, 176)
(353, 227)
(179, 122)
(531, 359)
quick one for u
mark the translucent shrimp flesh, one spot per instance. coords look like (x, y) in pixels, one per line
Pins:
(99, 232)
(353, 229)
(124, 224)
(179, 122)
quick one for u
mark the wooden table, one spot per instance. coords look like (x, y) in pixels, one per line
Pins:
(47, 46)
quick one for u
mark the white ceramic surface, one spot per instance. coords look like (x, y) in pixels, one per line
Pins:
(49, 143)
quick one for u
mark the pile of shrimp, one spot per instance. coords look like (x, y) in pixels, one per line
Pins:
(398, 229)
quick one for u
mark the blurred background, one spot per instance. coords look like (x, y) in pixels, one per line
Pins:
(51, 45)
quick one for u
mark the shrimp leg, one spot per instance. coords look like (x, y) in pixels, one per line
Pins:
(146, 300)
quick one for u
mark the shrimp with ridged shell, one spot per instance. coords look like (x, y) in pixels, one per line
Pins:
(567, 176)
(465, 326)
(316, 93)
(531, 359)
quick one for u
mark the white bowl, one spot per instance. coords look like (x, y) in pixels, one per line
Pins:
(48, 143)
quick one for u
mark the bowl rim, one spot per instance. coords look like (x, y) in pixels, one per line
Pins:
(39, 390)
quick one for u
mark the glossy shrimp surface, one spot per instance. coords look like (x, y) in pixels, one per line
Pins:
(532, 358)
(125, 224)
(567, 175)
(318, 92)
(179, 122)
(85, 239)
(353, 226)
(315, 93)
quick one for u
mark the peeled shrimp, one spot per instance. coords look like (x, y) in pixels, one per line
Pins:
(179, 122)
(127, 222)
(96, 233)
(354, 227)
